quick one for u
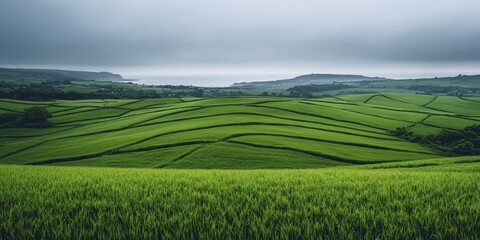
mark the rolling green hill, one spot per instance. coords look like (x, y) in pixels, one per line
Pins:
(20, 74)
(233, 133)
(361, 182)
(313, 78)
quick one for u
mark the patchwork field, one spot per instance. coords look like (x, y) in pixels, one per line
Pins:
(236, 133)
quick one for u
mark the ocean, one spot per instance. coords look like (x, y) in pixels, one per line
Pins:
(210, 80)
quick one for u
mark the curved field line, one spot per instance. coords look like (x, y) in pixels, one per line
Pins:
(129, 103)
(110, 152)
(10, 110)
(445, 114)
(23, 149)
(41, 135)
(182, 156)
(187, 130)
(64, 110)
(370, 98)
(323, 140)
(429, 102)
(233, 124)
(262, 106)
(240, 124)
(312, 153)
(87, 119)
(259, 114)
(89, 110)
(140, 123)
(194, 100)
(213, 115)
(394, 99)
(66, 114)
(131, 110)
(225, 139)
(470, 100)
(123, 116)
(30, 103)
(113, 107)
(420, 122)
(348, 110)
(325, 117)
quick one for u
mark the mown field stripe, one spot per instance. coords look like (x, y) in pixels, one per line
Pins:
(358, 112)
(258, 106)
(325, 117)
(111, 152)
(370, 98)
(182, 156)
(312, 153)
(265, 115)
(429, 102)
(9, 110)
(22, 103)
(325, 140)
(23, 149)
(470, 100)
(420, 122)
(139, 124)
(206, 143)
(157, 135)
(397, 100)
(41, 135)
(130, 103)
(443, 114)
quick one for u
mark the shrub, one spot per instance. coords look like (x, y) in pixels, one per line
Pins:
(36, 117)
(8, 117)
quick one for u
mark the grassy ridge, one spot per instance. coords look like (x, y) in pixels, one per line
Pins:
(336, 203)
(202, 133)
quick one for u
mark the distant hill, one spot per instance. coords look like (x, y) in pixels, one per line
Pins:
(55, 74)
(306, 80)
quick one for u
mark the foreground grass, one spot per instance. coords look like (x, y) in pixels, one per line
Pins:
(336, 203)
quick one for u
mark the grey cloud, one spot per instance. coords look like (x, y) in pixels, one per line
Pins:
(143, 33)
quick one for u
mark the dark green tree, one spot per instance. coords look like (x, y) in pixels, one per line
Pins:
(36, 117)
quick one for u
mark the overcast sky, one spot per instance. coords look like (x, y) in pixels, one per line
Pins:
(242, 36)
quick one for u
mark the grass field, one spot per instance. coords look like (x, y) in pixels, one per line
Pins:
(241, 168)
(437, 200)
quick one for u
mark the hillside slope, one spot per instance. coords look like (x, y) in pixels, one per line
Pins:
(305, 80)
(55, 74)
(235, 133)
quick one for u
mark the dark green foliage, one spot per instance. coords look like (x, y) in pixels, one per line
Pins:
(403, 132)
(197, 92)
(35, 117)
(307, 90)
(448, 90)
(449, 142)
(8, 117)
(30, 117)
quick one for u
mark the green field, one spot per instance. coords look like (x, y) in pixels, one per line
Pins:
(239, 167)
(436, 200)
(233, 133)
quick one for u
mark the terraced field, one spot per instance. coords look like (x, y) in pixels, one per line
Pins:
(233, 133)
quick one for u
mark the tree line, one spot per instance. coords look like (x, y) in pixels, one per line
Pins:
(464, 141)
